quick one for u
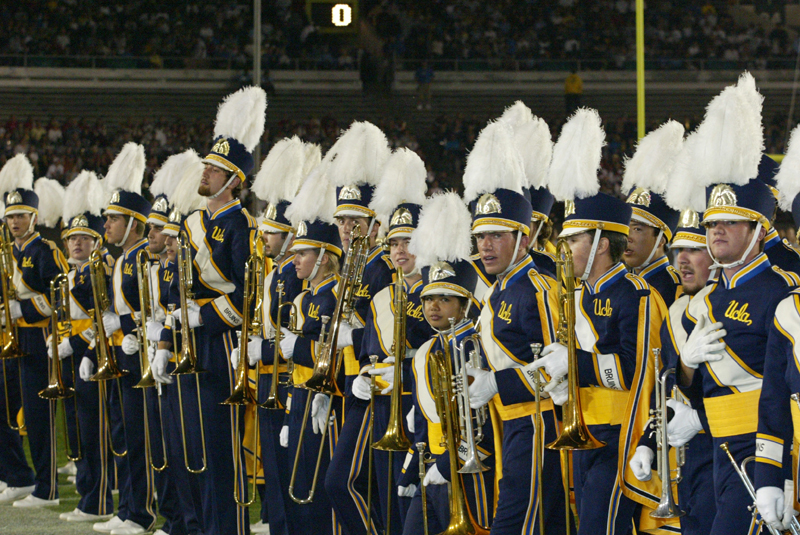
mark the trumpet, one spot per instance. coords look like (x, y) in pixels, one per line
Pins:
(148, 381)
(11, 347)
(273, 400)
(471, 428)
(107, 367)
(794, 527)
(667, 508)
(61, 321)
(575, 434)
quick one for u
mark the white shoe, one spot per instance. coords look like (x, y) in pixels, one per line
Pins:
(3, 486)
(128, 528)
(70, 469)
(160, 532)
(106, 527)
(12, 494)
(32, 501)
(79, 516)
(71, 479)
(114, 492)
(259, 527)
(66, 514)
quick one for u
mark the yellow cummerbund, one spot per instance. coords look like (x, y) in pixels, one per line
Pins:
(267, 368)
(518, 410)
(734, 414)
(795, 420)
(40, 324)
(301, 374)
(435, 438)
(603, 406)
(204, 301)
(116, 338)
(78, 326)
(351, 365)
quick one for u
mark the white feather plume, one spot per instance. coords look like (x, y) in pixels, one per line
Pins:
(313, 158)
(16, 173)
(315, 200)
(358, 156)
(535, 144)
(494, 163)
(576, 157)
(126, 172)
(281, 173)
(516, 115)
(443, 232)
(683, 189)
(242, 115)
(731, 137)
(402, 180)
(652, 163)
(185, 198)
(167, 178)
(83, 194)
(51, 199)
(788, 176)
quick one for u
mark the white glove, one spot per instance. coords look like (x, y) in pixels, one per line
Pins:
(386, 373)
(176, 314)
(158, 363)
(111, 323)
(235, 358)
(433, 477)
(154, 329)
(770, 502)
(86, 369)
(410, 420)
(788, 503)
(284, 436)
(15, 309)
(345, 336)
(194, 315)
(703, 344)
(558, 389)
(482, 389)
(553, 359)
(684, 425)
(254, 350)
(362, 387)
(642, 463)
(319, 410)
(64, 349)
(406, 492)
(130, 344)
(288, 338)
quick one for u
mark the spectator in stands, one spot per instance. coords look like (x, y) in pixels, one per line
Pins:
(424, 77)
(573, 91)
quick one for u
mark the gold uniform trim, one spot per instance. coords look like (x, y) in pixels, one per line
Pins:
(654, 221)
(355, 208)
(589, 224)
(315, 243)
(124, 211)
(514, 225)
(227, 165)
(688, 236)
(751, 215)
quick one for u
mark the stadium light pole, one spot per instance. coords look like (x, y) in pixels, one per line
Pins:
(640, 68)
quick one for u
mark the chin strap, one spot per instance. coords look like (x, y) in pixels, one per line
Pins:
(739, 262)
(592, 254)
(223, 188)
(34, 218)
(512, 263)
(653, 252)
(533, 244)
(317, 264)
(127, 232)
(284, 246)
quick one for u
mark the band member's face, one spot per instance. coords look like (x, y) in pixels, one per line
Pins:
(213, 180)
(172, 248)
(693, 264)
(80, 246)
(304, 261)
(156, 239)
(273, 243)
(115, 226)
(438, 310)
(497, 250)
(346, 225)
(18, 224)
(641, 240)
(401, 258)
(729, 240)
(581, 246)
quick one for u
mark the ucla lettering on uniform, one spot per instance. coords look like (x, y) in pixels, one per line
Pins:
(313, 311)
(414, 311)
(363, 291)
(128, 270)
(218, 234)
(168, 276)
(505, 312)
(602, 309)
(26, 262)
(738, 313)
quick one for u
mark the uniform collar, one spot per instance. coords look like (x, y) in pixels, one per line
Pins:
(414, 288)
(771, 239)
(517, 271)
(748, 271)
(327, 283)
(654, 267)
(134, 250)
(608, 278)
(374, 253)
(286, 263)
(232, 206)
(462, 329)
(33, 237)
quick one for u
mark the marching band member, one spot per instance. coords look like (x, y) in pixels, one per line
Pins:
(775, 478)
(316, 258)
(616, 325)
(126, 216)
(84, 200)
(518, 310)
(728, 322)
(653, 220)
(779, 251)
(442, 242)
(354, 166)
(277, 182)
(37, 262)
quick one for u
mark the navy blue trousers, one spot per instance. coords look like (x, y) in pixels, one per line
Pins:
(696, 489)
(14, 469)
(732, 499)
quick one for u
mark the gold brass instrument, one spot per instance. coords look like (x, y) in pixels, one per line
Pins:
(461, 519)
(575, 434)
(667, 508)
(61, 321)
(243, 394)
(741, 471)
(9, 420)
(424, 458)
(107, 367)
(273, 399)
(11, 347)
(328, 363)
(538, 443)
(470, 427)
(143, 277)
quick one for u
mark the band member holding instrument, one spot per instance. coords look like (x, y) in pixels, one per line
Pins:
(728, 322)
(38, 261)
(441, 242)
(518, 310)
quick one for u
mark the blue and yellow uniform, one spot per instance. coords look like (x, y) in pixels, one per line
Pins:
(664, 278)
(781, 253)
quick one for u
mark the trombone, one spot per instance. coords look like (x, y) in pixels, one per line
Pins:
(10, 349)
(143, 277)
(667, 508)
(273, 400)
(61, 320)
(186, 357)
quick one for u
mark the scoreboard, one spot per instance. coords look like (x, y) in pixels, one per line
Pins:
(333, 16)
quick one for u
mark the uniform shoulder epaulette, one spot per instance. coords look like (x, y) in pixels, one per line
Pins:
(52, 244)
(791, 278)
(676, 278)
(547, 254)
(386, 258)
(638, 282)
(541, 282)
(790, 247)
(251, 221)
